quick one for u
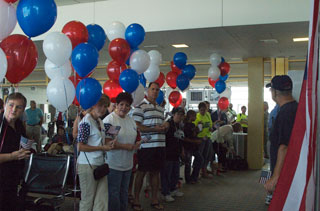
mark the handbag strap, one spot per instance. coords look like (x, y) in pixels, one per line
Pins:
(87, 160)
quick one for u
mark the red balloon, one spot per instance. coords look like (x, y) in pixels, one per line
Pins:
(175, 69)
(213, 82)
(112, 89)
(223, 103)
(114, 70)
(175, 98)
(171, 79)
(77, 32)
(10, 1)
(224, 68)
(119, 50)
(22, 56)
(160, 80)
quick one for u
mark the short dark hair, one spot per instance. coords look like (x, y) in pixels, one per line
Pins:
(104, 99)
(207, 102)
(124, 96)
(243, 107)
(201, 105)
(189, 114)
(153, 83)
(17, 96)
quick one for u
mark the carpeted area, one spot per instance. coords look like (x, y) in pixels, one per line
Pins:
(231, 191)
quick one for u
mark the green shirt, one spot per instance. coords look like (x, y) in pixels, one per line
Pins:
(206, 124)
(242, 119)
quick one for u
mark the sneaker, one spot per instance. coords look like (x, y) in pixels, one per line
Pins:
(177, 193)
(268, 199)
(168, 198)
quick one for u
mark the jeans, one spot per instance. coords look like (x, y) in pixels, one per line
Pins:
(197, 164)
(206, 151)
(118, 185)
(169, 177)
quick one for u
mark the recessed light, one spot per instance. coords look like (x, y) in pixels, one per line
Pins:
(151, 46)
(267, 41)
(180, 46)
(300, 39)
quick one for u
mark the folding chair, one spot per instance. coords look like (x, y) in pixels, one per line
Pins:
(45, 180)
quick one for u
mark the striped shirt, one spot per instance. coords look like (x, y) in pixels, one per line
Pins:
(150, 115)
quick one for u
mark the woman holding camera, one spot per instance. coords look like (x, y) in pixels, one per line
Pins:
(92, 147)
(170, 173)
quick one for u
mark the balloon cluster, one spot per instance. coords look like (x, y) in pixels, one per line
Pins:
(180, 76)
(218, 73)
(18, 54)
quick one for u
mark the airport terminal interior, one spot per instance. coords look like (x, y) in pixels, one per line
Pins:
(256, 39)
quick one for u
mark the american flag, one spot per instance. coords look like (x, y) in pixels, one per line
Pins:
(26, 143)
(296, 187)
(265, 176)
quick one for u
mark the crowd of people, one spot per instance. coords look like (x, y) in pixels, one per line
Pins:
(137, 145)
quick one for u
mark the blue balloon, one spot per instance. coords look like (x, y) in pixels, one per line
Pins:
(160, 97)
(220, 86)
(134, 35)
(222, 59)
(88, 92)
(97, 36)
(129, 80)
(189, 70)
(36, 17)
(180, 60)
(182, 82)
(84, 58)
(224, 78)
(143, 80)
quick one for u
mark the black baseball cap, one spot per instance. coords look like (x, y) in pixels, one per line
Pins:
(281, 83)
(178, 110)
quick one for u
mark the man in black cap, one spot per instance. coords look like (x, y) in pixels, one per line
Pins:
(281, 91)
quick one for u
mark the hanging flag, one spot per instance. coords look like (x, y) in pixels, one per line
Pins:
(296, 187)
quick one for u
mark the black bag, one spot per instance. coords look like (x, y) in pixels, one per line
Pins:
(101, 171)
(237, 163)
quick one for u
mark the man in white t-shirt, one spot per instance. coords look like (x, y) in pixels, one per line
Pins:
(149, 117)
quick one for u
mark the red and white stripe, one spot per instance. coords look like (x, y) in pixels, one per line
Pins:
(296, 186)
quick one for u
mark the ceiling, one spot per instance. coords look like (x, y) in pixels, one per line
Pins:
(235, 43)
(69, 2)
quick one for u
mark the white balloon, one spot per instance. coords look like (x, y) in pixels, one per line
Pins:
(57, 47)
(215, 59)
(8, 19)
(138, 95)
(214, 72)
(116, 30)
(139, 61)
(3, 64)
(53, 70)
(226, 93)
(60, 93)
(152, 73)
(155, 57)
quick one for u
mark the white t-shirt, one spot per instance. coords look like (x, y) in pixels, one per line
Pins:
(90, 134)
(120, 159)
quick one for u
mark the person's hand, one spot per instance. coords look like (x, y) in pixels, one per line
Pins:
(109, 145)
(20, 154)
(136, 145)
(271, 184)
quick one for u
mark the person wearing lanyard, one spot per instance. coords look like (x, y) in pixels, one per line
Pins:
(11, 154)
(242, 118)
(34, 122)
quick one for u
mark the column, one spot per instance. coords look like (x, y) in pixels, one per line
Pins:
(255, 113)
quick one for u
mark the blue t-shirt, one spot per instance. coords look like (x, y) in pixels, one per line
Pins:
(34, 116)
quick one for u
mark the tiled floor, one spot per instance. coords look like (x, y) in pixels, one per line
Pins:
(234, 190)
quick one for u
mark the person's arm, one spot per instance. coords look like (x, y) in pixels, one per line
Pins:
(272, 182)
(143, 128)
(41, 117)
(192, 140)
(16, 155)
(75, 127)
(87, 148)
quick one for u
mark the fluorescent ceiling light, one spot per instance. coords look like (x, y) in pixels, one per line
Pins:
(300, 39)
(180, 46)
(151, 46)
